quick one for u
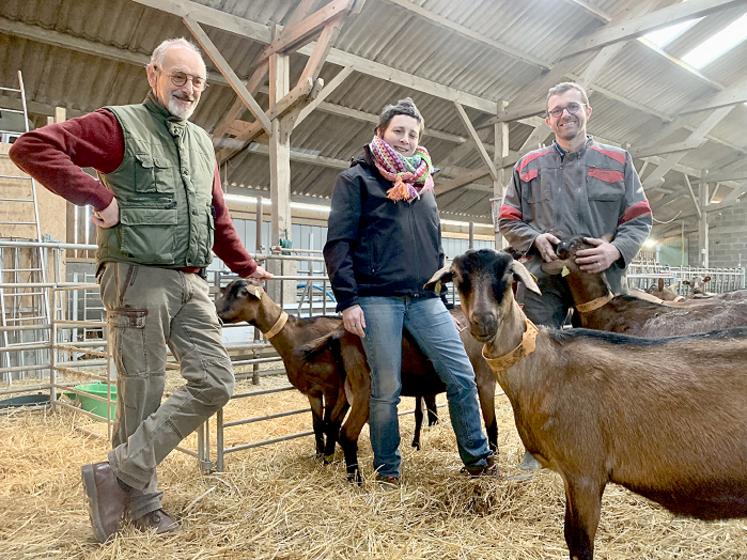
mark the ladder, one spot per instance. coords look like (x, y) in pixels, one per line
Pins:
(25, 304)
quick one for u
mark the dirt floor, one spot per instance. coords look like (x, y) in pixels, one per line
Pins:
(279, 502)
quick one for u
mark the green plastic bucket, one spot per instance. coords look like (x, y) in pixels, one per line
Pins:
(92, 405)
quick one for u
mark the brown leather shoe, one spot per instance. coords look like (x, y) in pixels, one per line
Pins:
(158, 520)
(107, 499)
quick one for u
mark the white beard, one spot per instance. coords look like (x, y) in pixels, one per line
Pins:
(179, 110)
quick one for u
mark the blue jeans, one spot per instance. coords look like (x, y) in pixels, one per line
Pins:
(431, 326)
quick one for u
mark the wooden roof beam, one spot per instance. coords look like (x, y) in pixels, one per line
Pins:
(299, 33)
(450, 25)
(632, 28)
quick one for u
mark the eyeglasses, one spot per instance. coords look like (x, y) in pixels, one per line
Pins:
(573, 108)
(178, 79)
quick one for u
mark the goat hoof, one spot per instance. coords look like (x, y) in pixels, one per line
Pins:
(416, 445)
(328, 458)
(355, 478)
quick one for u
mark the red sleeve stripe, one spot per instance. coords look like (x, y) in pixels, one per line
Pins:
(509, 213)
(606, 175)
(617, 155)
(638, 209)
(531, 156)
(528, 175)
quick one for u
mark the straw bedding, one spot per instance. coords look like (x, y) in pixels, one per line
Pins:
(280, 503)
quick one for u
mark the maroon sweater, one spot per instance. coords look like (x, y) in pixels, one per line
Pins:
(54, 155)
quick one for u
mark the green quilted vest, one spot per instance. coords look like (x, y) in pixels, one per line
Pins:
(164, 190)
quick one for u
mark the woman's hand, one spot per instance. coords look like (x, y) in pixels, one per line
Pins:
(354, 321)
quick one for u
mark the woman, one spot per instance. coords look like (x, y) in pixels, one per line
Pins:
(383, 245)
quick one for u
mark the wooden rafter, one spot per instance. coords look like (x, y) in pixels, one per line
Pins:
(698, 134)
(476, 140)
(449, 25)
(299, 33)
(633, 27)
(236, 84)
(254, 83)
(333, 84)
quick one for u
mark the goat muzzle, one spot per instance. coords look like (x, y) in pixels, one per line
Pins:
(483, 326)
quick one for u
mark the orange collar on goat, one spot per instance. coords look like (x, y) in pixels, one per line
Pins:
(278, 326)
(525, 347)
(594, 304)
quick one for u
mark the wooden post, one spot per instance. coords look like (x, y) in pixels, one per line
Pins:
(280, 174)
(500, 180)
(279, 151)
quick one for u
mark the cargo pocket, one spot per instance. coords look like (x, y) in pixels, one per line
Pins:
(153, 173)
(147, 234)
(127, 329)
(606, 190)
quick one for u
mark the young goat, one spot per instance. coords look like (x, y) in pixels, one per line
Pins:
(665, 418)
(336, 378)
(599, 309)
(664, 293)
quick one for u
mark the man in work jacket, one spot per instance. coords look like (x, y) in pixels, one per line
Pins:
(160, 211)
(576, 186)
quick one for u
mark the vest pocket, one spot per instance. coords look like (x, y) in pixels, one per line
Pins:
(148, 234)
(153, 173)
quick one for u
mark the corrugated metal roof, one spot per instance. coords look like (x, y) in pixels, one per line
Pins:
(631, 92)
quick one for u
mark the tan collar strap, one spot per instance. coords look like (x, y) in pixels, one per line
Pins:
(278, 326)
(594, 304)
(525, 348)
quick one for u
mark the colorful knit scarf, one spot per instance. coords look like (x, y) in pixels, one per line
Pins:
(411, 175)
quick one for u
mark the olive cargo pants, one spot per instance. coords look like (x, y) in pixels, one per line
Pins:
(150, 309)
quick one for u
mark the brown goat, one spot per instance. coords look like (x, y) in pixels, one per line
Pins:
(664, 293)
(337, 377)
(666, 418)
(599, 309)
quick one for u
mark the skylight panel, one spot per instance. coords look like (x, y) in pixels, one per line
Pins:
(718, 44)
(662, 37)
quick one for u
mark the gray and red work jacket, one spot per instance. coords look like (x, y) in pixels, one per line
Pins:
(594, 191)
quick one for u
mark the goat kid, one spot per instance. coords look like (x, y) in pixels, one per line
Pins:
(598, 308)
(324, 379)
(665, 418)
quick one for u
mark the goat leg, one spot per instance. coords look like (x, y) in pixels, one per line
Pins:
(418, 422)
(317, 421)
(583, 503)
(430, 406)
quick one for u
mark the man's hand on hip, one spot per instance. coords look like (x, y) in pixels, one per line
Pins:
(108, 217)
(599, 258)
(545, 245)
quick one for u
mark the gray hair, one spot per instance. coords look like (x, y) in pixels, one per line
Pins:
(562, 87)
(404, 106)
(156, 59)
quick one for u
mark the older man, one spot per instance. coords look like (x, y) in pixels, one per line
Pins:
(576, 186)
(160, 211)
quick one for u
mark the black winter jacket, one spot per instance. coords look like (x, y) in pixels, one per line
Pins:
(376, 247)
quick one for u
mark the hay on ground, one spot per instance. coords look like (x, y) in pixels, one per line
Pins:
(279, 502)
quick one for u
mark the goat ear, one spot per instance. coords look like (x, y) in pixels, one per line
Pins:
(254, 290)
(441, 276)
(521, 272)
